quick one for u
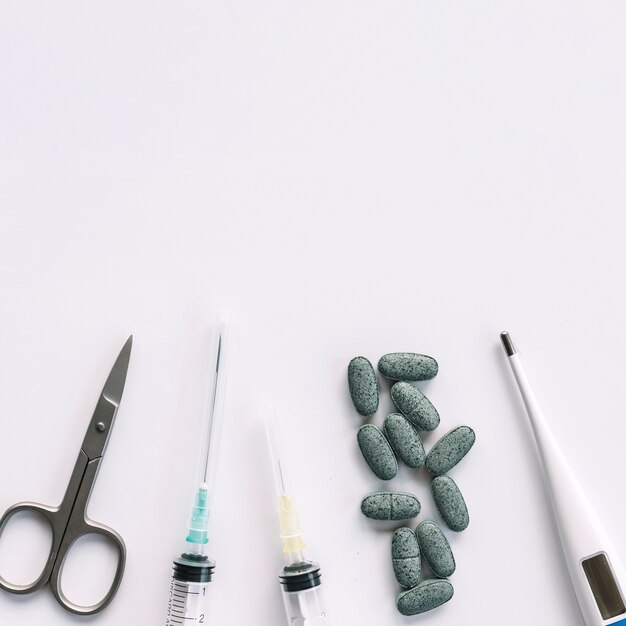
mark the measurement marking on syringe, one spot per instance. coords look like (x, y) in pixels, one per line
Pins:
(189, 593)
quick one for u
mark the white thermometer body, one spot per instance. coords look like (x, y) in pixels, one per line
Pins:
(595, 570)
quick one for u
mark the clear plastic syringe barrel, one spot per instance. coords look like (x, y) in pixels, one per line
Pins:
(302, 594)
(190, 591)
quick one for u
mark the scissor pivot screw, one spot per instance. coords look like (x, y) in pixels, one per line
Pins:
(100, 427)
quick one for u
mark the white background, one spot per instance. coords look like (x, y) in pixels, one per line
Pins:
(345, 178)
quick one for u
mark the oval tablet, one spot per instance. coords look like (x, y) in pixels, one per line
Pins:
(405, 440)
(390, 505)
(408, 366)
(415, 406)
(450, 503)
(363, 386)
(405, 557)
(436, 549)
(428, 595)
(377, 452)
(449, 450)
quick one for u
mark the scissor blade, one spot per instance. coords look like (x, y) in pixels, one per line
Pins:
(101, 423)
(114, 386)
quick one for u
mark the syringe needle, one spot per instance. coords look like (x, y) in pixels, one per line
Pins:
(300, 579)
(199, 526)
(274, 448)
(290, 531)
(214, 408)
(210, 412)
(193, 569)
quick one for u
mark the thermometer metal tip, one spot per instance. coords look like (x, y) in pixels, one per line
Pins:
(507, 342)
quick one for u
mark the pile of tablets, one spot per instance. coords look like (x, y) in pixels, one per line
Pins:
(400, 439)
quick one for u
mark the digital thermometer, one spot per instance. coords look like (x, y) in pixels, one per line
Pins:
(594, 568)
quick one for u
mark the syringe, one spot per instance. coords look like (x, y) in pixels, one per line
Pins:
(300, 579)
(189, 600)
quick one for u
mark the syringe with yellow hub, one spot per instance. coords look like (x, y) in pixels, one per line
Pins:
(300, 578)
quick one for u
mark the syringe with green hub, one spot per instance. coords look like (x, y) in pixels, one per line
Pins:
(300, 578)
(189, 593)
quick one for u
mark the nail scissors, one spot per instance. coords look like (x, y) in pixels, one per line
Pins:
(69, 521)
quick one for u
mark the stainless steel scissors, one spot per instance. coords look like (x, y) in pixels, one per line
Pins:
(69, 521)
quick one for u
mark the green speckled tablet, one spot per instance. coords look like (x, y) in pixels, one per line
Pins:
(390, 505)
(405, 557)
(428, 595)
(408, 366)
(377, 452)
(449, 450)
(450, 503)
(436, 549)
(415, 406)
(363, 386)
(405, 440)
